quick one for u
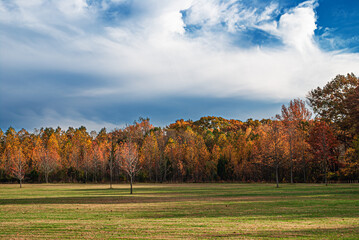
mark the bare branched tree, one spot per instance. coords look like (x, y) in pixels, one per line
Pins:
(129, 160)
(47, 163)
(18, 166)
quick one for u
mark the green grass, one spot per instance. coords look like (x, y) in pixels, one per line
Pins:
(166, 211)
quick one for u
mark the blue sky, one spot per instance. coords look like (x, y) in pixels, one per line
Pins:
(105, 63)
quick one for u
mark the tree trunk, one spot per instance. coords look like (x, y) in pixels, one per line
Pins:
(47, 177)
(304, 174)
(111, 161)
(276, 175)
(325, 159)
(304, 166)
(291, 162)
(111, 170)
(131, 184)
(165, 173)
(156, 172)
(111, 178)
(325, 173)
(20, 183)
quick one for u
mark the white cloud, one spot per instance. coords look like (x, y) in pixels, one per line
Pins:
(297, 28)
(271, 9)
(149, 55)
(74, 8)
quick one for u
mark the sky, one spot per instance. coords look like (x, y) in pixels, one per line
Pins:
(105, 63)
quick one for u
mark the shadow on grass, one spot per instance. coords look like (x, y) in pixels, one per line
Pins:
(199, 191)
(178, 194)
(83, 200)
(193, 207)
(125, 198)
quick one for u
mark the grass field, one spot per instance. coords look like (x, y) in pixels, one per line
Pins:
(165, 211)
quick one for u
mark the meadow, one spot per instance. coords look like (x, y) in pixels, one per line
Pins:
(179, 211)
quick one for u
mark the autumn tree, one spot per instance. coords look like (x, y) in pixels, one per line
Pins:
(303, 147)
(66, 152)
(243, 140)
(40, 155)
(332, 105)
(86, 152)
(10, 149)
(203, 158)
(27, 145)
(323, 144)
(272, 147)
(96, 161)
(292, 116)
(101, 153)
(18, 165)
(162, 139)
(129, 160)
(2, 156)
(174, 155)
(14, 158)
(112, 149)
(211, 168)
(79, 141)
(350, 170)
(150, 156)
(352, 104)
(190, 159)
(225, 157)
(351, 157)
(47, 157)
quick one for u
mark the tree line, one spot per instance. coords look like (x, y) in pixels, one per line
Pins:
(291, 147)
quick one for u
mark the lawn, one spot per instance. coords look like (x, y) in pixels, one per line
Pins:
(165, 211)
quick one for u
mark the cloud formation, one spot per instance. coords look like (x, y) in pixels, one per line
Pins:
(71, 58)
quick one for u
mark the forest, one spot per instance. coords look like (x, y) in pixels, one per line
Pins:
(313, 140)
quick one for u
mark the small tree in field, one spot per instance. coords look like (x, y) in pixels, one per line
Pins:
(18, 166)
(129, 161)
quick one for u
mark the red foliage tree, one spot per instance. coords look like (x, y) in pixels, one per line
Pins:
(323, 146)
